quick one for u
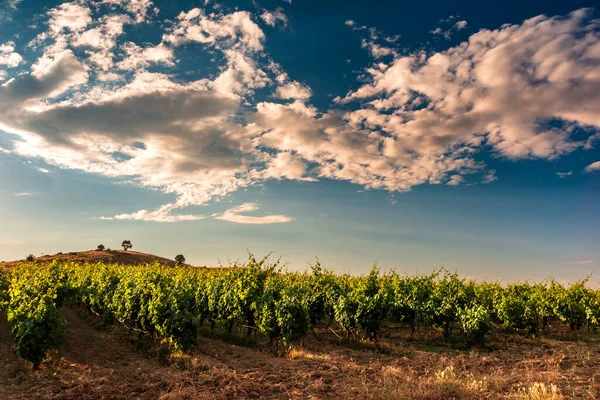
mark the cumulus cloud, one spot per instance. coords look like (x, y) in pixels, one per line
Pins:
(140, 9)
(503, 86)
(235, 215)
(95, 102)
(69, 16)
(294, 90)
(8, 56)
(595, 166)
(137, 56)
(49, 80)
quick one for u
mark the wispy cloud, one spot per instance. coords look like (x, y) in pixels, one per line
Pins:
(234, 215)
(453, 27)
(24, 194)
(490, 177)
(43, 170)
(563, 175)
(584, 262)
(163, 214)
(13, 3)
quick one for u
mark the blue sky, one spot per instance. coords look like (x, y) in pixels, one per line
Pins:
(462, 134)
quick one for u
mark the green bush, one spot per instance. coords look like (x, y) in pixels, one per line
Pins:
(36, 325)
(4, 289)
(475, 321)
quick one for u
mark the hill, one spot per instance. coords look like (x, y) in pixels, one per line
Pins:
(128, 257)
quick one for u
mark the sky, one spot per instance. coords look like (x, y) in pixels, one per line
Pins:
(408, 135)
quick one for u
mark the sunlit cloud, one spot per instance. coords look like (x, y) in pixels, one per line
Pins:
(592, 167)
(235, 215)
(96, 102)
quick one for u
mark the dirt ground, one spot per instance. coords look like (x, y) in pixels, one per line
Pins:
(99, 363)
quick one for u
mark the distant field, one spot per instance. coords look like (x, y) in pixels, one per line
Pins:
(114, 331)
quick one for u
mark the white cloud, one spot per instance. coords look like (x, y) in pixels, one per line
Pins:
(234, 215)
(592, 167)
(456, 180)
(139, 8)
(490, 177)
(43, 170)
(294, 90)
(480, 91)
(162, 214)
(272, 18)
(563, 175)
(137, 56)
(69, 16)
(23, 194)
(449, 31)
(8, 56)
(460, 25)
(584, 262)
(91, 103)
(235, 30)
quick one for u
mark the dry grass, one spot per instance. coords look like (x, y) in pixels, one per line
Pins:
(98, 364)
(129, 257)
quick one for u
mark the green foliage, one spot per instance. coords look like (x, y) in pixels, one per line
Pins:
(36, 325)
(449, 294)
(361, 305)
(320, 292)
(574, 305)
(283, 315)
(475, 322)
(172, 303)
(4, 289)
(518, 308)
(126, 244)
(409, 297)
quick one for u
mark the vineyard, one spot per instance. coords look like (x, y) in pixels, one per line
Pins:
(258, 299)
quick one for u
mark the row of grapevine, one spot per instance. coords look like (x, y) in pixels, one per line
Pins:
(174, 302)
(34, 297)
(4, 286)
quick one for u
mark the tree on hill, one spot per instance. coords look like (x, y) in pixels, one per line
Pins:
(126, 245)
(30, 257)
(180, 259)
(100, 247)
